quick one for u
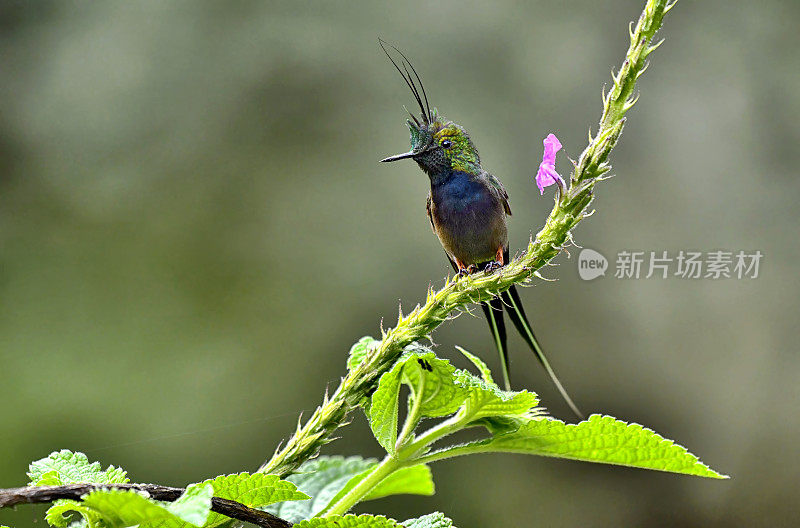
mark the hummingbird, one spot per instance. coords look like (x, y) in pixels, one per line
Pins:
(468, 209)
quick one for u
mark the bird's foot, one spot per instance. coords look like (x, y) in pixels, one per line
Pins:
(492, 266)
(472, 268)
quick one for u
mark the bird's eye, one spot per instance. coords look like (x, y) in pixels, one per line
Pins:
(446, 143)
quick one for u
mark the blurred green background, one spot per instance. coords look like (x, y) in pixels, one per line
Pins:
(194, 229)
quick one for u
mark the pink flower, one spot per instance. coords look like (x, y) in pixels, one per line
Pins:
(547, 175)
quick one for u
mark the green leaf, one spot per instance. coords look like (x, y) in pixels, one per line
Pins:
(383, 408)
(488, 404)
(326, 479)
(441, 396)
(414, 480)
(486, 374)
(359, 350)
(601, 439)
(256, 490)
(60, 513)
(51, 478)
(194, 505)
(65, 467)
(119, 508)
(349, 521)
(321, 479)
(488, 400)
(498, 425)
(445, 390)
(432, 520)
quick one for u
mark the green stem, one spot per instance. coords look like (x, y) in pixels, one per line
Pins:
(405, 456)
(446, 428)
(388, 466)
(570, 208)
(450, 452)
(414, 416)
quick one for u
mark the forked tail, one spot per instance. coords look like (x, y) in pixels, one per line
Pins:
(517, 314)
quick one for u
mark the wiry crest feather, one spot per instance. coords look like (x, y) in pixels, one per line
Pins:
(427, 115)
(416, 121)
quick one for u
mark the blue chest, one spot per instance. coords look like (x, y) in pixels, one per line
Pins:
(468, 218)
(460, 193)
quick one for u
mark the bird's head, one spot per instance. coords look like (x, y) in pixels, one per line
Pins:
(437, 145)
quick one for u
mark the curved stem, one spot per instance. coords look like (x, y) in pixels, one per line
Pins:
(388, 466)
(465, 449)
(446, 428)
(413, 415)
(404, 456)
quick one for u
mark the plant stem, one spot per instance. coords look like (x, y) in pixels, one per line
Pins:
(388, 466)
(450, 452)
(413, 415)
(570, 208)
(446, 428)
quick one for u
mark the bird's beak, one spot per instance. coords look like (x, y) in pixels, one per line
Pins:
(405, 155)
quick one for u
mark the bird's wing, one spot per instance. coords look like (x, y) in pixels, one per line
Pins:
(497, 187)
(430, 214)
